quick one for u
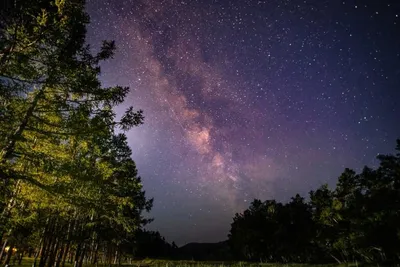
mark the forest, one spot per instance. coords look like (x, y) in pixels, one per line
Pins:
(68, 183)
(70, 192)
(358, 221)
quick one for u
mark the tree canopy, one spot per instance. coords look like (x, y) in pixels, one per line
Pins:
(70, 191)
(68, 183)
(359, 220)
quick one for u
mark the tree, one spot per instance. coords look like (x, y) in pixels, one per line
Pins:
(150, 244)
(49, 89)
(67, 178)
(357, 221)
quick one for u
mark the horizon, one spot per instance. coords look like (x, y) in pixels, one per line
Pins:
(249, 100)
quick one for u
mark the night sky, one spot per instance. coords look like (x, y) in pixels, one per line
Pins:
(250, 99)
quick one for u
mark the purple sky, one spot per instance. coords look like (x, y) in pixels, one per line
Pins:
(250, 99)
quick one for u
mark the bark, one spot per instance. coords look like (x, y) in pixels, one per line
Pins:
(66, 252)
(336, 259)
(59, 256)
(21, 255)
(109, 256)
(2, 250)
(11, 203)
(95, 252)
(47, 249)
(7, 151)
(70, 258)
(77, 252)
(66, 246)
(82, 256)
(9, 254)
(104, 258)
(37, 252)
(44, 252)
(116, 256)
(53, 252)
(35, 260)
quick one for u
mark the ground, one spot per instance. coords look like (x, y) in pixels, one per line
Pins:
(27, 262)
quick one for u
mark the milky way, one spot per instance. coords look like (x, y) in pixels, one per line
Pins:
(250, 99)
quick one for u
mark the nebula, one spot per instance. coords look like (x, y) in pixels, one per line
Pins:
(248, 99)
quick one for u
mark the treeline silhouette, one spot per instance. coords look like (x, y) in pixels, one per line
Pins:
(150, 244)
(70, 192)
(358, 220)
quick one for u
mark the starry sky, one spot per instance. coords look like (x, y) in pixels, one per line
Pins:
(249, 99)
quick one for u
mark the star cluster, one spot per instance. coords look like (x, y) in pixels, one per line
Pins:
(250, 99)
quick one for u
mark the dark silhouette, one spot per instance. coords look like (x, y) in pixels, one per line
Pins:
(357, 221)
(150, 244)
(70, 192)
(205, 251)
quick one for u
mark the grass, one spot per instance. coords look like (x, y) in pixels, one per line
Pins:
(27, 262)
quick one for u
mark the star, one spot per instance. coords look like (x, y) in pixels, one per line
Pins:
(249, 99)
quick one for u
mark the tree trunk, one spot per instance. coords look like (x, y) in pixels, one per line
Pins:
(59, 256)
(77, 252)
(5, 213)
(53, 253)
(9, 254)
(2, 250)
(104, 258)
(42, 255)
(21, 255)
(7, 151)
(336, 259)
(82, 256)
(109, 255)
(45, 252)
(95, 252)
(65, 249)
(66, 252)
(116, 256)
(71, 257)
(35, 260)
(37, 252)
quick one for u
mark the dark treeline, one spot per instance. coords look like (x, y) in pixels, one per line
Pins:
(358, 221)
(70, 192)
(150, 244)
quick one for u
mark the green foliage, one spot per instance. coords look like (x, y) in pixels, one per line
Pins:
(68, 182)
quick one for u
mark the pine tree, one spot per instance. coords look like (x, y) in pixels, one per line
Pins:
(66, 176)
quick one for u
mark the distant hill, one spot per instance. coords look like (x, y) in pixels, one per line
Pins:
(205, 251)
